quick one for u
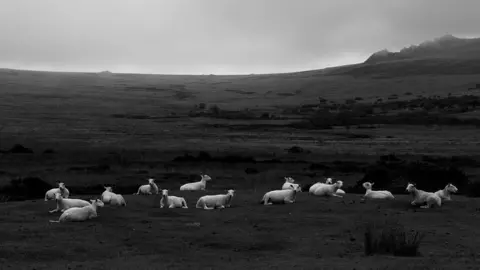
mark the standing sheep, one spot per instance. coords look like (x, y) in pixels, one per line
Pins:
(80, 213)
(280, 196)
(172, 201)
(199, 185)
(376, 194)
(421, 197)
(445, 193)
(148, 189)
(50, 194)
(221, 201)
(64, 204)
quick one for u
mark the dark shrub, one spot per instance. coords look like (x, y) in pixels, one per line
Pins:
(26, 188)
(20, 149)
(391, 238)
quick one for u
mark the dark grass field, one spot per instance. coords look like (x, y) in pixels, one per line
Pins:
(313, 233)
(136, 125)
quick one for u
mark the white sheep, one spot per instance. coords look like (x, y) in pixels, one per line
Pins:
(64, 204)
(221, 201)
(109, 197)
(376, 194)
(445, 193)
(81, 213)
(199, 185)
(289, 181)
(280, 196)
(148, 189)
(50, 194)
(172, 201)
(421, 197)
(329, 190)
(339, 191)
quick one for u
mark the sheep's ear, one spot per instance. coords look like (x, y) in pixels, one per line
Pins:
(372, 183)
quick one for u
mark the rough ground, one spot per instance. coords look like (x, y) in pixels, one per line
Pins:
(313, 233)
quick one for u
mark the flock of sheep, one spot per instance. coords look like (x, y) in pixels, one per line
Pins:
(81, 210)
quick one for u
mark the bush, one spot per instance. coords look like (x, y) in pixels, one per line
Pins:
(473, 189)
(25, 188)
(391, 238)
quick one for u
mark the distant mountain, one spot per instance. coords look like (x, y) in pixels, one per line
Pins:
(447, 46)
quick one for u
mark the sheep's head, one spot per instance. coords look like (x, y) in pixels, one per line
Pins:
(151, 181)
(367, 185)
(61, 185)
(411, 187)
(58, 196)
(296, 188)
(451, 188)
(231, 192)
(109, 189)
(206, 177)
(165, 192)
(97, 202)
(329, 181)
(289, 180)
(339, 184)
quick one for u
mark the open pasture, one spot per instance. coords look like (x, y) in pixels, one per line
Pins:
(312, 233)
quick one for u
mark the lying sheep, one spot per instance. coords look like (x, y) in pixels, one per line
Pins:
(445, 193)
(280, 196)
(421, 197)
(81, 213)
(328, 190)
(148, 189)
(109, 197)
(199, 185)
(318, 184)
(339, 191)
(376, 194)
(50, 194)
(64, 204)
(221, 201)
(289, 181)
(172, 201)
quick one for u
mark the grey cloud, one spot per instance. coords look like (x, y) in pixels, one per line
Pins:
(228, 36)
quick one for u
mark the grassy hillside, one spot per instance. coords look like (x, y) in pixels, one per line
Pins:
(387, 123)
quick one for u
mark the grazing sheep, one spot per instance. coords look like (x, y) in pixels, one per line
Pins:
(280, 196)
(148, 189)
(172, 201)
(376, 194)
(221, 201)
(80, 213)
(64, 204)
(199, 185)
(289, 181)
(329, 190)
(50, 195)
(109, 197)
(445, 193)
(339, 191)
(421, 197)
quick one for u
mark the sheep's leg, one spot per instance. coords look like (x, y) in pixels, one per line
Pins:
(208, 208)
(171, 206)
(425, 206)
(221, 207)
(54, 210)
(289, 201)
(336, 195)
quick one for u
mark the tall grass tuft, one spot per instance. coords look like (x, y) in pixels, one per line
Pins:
(391, 238)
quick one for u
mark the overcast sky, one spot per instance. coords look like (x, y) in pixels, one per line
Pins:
(219, 36)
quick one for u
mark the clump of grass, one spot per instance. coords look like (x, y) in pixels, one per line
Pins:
(392, 238)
